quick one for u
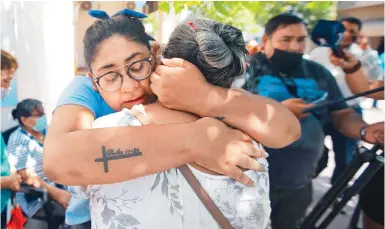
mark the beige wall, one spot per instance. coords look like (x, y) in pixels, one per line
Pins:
(82, 21)
(370, 13)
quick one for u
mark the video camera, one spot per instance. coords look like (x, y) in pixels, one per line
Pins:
(329, 34)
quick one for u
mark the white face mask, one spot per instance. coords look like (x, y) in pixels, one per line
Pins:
(4, 92)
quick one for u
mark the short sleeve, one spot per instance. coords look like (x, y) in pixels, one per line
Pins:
(80, 92)
(18, 150)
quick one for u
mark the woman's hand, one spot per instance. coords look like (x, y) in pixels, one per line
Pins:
(349, 62)
(62, 197)
(179, 85)
(225, 150)
(11, 182)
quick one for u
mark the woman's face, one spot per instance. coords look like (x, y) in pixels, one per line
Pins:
(31, 120)
(116, 54)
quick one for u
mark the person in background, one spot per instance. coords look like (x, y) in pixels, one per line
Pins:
(343, 146)
(25, 152)
(253, 47)
(9, 182)
(372, 196)
(283, 74)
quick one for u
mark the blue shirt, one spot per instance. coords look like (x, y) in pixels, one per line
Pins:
(80, 92)
(293, 166)
(25, 152)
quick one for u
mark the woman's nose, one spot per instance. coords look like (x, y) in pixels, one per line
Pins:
(129, 84)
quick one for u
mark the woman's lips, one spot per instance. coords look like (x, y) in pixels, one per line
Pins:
(139, 100)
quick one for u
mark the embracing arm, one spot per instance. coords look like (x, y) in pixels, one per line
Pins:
(73, 153)
(180, 85)
(264, 119)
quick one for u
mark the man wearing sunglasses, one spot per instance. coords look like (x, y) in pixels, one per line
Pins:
(343, 146)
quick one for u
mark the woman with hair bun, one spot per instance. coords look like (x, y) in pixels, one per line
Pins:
(25, 153)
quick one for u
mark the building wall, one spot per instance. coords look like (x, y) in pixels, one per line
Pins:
(82, 21)
(40, 35)
(372, 15)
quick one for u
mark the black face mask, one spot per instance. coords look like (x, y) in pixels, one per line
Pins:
(284, 61)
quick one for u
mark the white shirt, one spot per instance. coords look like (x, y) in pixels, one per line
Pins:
(166, 200)
(368, 58)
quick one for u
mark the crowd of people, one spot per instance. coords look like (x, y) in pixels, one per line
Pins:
(111, 156)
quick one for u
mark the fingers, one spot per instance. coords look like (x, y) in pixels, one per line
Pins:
(237, 174)
(241, 136)
(174, 62)
(307, 105)
(16, 188)
(154, 79)
(296, 100)
(247, 162)
(250, 150)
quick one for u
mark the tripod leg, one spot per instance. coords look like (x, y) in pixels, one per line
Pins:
(333, 193)
(353, 190)
(355, 218)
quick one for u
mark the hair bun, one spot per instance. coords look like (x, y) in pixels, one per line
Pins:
(220, 44)
(14, 114)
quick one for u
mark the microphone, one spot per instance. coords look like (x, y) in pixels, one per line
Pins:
(329, 34)
(335, 102)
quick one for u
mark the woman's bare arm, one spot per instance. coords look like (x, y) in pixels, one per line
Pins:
(75, 154)
(180, 85)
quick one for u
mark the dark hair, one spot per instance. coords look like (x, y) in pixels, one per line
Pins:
(217, 49)
(8, 61)
(281, 20)
(129, 27)
(353, 20)
(25, 108)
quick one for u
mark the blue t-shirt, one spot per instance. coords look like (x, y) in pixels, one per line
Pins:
(80, 92)
(293, 167)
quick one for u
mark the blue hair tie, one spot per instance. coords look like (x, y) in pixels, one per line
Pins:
(130, 13)
(100, 14)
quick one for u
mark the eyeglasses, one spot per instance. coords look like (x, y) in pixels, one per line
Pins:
(113, 80)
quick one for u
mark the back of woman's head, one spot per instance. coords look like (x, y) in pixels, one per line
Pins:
(130, 27)
(25, 108)
(217, 49)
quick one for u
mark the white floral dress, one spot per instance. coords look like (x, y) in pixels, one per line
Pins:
(166, 200)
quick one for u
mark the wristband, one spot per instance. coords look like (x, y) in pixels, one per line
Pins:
(354, 69)
(363, 133)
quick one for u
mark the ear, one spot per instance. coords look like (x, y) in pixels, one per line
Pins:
(24, 120)
(155, 48)
(94, 86)
(265, 39)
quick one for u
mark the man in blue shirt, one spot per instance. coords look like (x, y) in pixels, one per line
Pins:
(282, 74)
